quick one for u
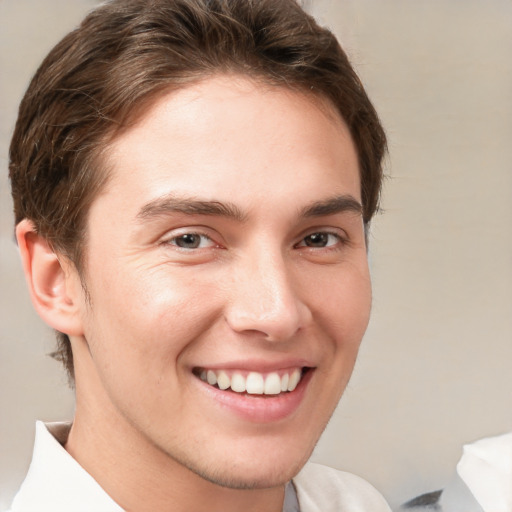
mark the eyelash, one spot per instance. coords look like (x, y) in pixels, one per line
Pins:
(174, 239)
(339, 240)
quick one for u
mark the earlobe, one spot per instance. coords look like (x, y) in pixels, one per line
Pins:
(53, 283)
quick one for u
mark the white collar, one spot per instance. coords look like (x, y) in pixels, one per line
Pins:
(483, 481)
(56, 482)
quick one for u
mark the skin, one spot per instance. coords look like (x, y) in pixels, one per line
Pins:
(255, 292)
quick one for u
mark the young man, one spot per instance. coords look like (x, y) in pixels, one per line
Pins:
(193, 181)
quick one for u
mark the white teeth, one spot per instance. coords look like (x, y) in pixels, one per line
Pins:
(284, 382)
(211, 378)
(294, 380)
(223, 381)
(272, 384)
(255, 383)
(238, 382)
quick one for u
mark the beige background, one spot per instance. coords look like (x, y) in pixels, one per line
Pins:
(435, 368)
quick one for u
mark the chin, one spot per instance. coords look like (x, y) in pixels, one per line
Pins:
(263, 472)
(260, 478)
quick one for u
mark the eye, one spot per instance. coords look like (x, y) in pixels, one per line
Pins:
(320, 240)
(191, 241)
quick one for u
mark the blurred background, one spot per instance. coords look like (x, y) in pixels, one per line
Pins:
(435, 368)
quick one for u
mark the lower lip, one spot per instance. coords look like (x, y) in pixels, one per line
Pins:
(257, 408)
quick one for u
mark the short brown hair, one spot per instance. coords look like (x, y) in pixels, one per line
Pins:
(126, 52)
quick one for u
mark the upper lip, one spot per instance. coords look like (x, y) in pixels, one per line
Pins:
(258, 365)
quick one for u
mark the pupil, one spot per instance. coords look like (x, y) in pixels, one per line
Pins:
(317, 240)
(188, 241)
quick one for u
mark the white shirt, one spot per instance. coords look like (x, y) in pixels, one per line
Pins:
(483, 479)
(57, 483)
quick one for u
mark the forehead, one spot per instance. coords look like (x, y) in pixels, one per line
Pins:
(228, 131)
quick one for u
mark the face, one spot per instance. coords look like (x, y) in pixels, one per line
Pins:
(228, 280)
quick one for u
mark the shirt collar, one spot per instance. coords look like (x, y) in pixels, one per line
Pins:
(56, 482)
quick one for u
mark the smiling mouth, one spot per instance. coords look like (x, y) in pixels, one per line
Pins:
(252, 383)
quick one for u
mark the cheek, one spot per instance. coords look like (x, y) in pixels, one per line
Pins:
(344, 307)
(356, 304)
(349, 310)
(149, 316)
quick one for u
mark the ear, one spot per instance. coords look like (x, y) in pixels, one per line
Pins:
(53, 281)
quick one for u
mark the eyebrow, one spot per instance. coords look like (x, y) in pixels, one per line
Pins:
(332, 206)
(189, 206)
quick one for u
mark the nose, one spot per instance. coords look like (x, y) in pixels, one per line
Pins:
(265, 300)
